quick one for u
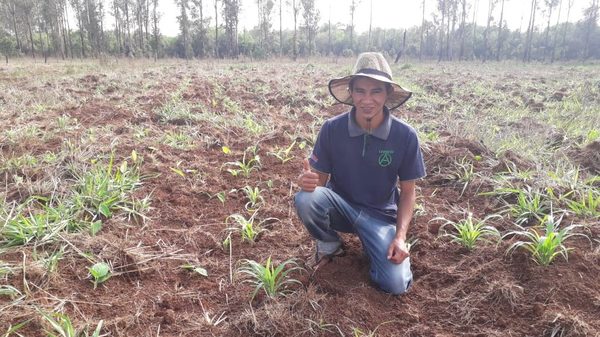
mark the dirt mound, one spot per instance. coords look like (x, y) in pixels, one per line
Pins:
(588, 157)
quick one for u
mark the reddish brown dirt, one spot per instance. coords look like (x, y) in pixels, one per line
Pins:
(455, 292)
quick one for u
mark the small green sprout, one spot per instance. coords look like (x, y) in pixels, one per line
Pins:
(588, 204)
(283, 154)
(196, 269)
(469, 231)
(254, 197)
(544, 247)
(247, 227)
(268, 277)
(245, 166)
(63, 327)
(100, 273)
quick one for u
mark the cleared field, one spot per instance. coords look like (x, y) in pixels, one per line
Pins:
(135, 194)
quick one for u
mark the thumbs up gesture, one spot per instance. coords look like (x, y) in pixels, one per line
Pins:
(308, 179)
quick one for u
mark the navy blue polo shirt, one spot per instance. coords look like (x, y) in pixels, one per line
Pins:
(365, 168)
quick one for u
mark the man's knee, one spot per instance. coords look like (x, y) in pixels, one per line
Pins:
(305, 201)
(397, 279)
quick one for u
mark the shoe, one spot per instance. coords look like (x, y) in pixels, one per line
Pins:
(323, 259)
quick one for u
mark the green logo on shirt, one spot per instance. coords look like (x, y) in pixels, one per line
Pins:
(385, 157)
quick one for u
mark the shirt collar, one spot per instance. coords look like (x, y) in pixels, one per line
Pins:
(381, 132)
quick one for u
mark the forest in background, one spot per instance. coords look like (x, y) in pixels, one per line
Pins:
(70, 29)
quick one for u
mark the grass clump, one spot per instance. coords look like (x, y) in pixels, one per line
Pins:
(268, 277)
(469, 231)
(546, 242)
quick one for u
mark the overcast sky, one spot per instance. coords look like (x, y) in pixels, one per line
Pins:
(386, 13)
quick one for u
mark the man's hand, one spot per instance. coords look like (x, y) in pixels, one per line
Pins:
(398, 251)
(308, 180)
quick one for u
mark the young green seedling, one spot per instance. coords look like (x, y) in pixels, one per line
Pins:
(247, 227)
(469, 231)
(283, 154)
(196, 269)
(546, 244)
(100, 272)
(268, 277)
(254, 197)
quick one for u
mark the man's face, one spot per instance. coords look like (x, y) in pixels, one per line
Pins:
(368, 96)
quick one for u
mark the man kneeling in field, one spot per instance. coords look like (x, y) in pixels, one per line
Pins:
(350, 182)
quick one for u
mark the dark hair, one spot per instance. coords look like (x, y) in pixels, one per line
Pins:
(388, 86)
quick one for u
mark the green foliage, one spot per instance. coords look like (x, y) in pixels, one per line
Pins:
(196, 269)
(273, 280)
(63, 327)
(178, 140)
(283, 154)
(104, 188)
(463, 172)
(546, 242)
(249, 228)
(24, 223)
(100, 273)
(530, 204)
(585, 204)
(469, 231)
(253, 194)
(245, 166)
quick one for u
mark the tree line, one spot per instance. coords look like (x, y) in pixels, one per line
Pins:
(210, 28)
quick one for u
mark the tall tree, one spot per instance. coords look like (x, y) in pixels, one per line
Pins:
(500, 35)
(590, 19)
(280, 28)
(28, 8)
(12, 10)
(530, 28)
(422, 32)
(566, 26)
(463, 27)
(474, 35)
(443, 9)
(231, 11)
(265, 9)
(184, 27)
(295, 10)
(553, 52)
(491, 5)
(311, 23)
(550, 4)
(216, 29)
(353, 5)
(155, 29)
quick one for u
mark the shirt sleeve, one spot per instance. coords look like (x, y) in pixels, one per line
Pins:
(412, 166)
(320, 159)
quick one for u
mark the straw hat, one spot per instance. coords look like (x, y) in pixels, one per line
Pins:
(375, 66)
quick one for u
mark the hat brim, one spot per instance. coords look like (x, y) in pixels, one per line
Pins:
(339, 89)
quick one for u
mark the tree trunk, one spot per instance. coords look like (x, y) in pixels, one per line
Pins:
(474, 28)
(422, 32)
(370, 24)
(547, 37)
(70, 42)
(553, 53)
(462, 30)
(216, 30)
(155, 19)
(294, 51)
(440, 52)
(564, 33)
(13, 14)
(281, 29)
(498, 49)
(530, 26)
(30, 36)
(399, 55)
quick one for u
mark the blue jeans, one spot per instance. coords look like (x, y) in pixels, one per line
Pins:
(324, 213)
